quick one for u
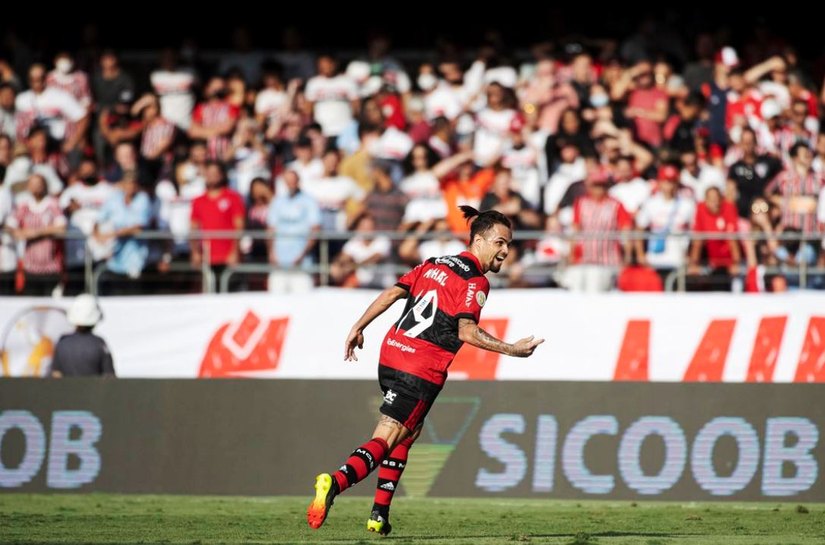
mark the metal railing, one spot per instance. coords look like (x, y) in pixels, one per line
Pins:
(675, 280)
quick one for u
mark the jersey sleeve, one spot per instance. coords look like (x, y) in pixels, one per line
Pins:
(473, 298)
(408, 280)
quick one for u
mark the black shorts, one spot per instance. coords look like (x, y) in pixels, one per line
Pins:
(407, 398)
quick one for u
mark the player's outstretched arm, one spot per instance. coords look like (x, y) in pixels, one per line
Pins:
(469, 332)
(376, 308)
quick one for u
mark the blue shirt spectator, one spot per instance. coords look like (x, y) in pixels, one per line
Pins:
(294, 217)
(124, 215)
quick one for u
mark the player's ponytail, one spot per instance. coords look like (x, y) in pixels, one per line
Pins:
(469, 212)
(481, 222)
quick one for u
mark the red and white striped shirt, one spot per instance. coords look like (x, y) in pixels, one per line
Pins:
(155, 136)
(789, 183)
(45, 255)
(604, 216)
(212, 114)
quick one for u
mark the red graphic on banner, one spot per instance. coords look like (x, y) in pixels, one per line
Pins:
(475, 363)
(250, 344)
(635, 352)
(708, 361)
(811, 366)
(766, 347)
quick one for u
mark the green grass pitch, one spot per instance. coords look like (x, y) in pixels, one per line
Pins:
(104, 518)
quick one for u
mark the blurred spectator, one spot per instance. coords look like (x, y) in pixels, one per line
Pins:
(58, 111)
(110, 81)
(332, 97)
(597, 258)
(664, 214)
(260, 199)
(685, 127)
(796, 190)
(67, 77)
(274, 101)
(698, 175)
(715, 215)
(174, 85)
(571, 132)
(492, 134)
(467, 184)
(125, 214)
(35, 160)
(358, 263)
(175, 198)
(8, 254)
(82, 201)
(571, 169)
(751, 174)
(248, 156)
(219, 209)
(294, 218)
(631, 189)
(156, 139)
(126, 163)
(117, 125)
(358, 165)
(8, 125)
(547, 98)
(442, 241)
(385, 203)
(308, 167)
(646, 104)
(6, 154)
(82, 353)
(503, 198)
(522, 160)
(333, 193)
(422, 170)
(35, 222)
(214, 120)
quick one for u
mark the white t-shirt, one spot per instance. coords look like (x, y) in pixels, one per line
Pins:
(360, 250)
(525, 175)
(674, 216)
(52, 108)
(332, 98)
(90, 198)
(492, 136)
(445, 100)
(21, 168)
(272, 103)
(175, 91)
(393, 144)
(631, 194)
(250, 163)
(332, 194)
(426, 201)
(564, 177)
(175, 210)
(307, 173)
(709, 176)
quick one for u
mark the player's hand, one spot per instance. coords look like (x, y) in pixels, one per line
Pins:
(354, 339)
(525, 347)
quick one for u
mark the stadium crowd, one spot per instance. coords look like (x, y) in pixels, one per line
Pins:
(587, 145)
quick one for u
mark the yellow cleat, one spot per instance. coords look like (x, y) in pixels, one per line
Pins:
(378, 524)
(320, 506)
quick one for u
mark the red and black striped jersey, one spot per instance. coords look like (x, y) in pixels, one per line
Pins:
(442, 290)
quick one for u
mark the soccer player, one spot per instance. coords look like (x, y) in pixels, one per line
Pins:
(444, 300)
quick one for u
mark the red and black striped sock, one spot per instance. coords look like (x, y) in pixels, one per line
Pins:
(389, 474)
(361, 462)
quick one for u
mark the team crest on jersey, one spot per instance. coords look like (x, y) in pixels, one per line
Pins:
(481, 298)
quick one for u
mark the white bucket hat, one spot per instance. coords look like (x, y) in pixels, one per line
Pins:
(84, 311)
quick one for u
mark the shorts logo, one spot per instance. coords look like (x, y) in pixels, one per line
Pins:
(481, 298)
(387, 486)
(389, 397)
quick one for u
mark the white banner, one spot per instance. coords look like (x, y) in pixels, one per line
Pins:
(656, 337)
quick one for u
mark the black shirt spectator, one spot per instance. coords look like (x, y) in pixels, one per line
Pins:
(82, 353)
